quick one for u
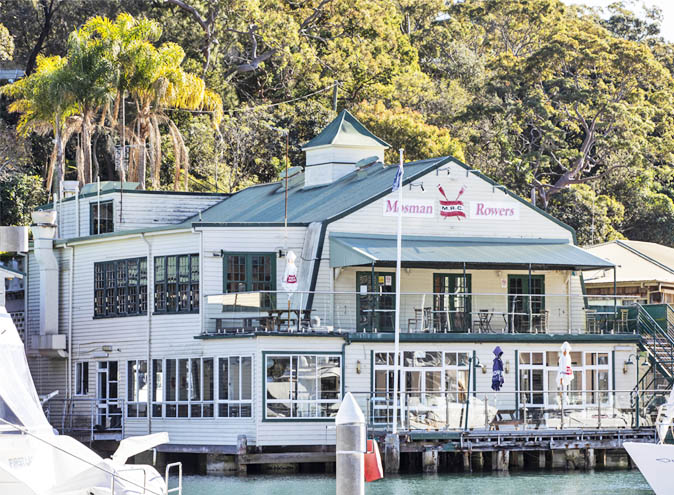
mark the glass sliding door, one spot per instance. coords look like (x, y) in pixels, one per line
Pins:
(451, 305)
(375, 302)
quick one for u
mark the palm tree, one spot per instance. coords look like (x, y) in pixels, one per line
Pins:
(89, 75)
(45, 104)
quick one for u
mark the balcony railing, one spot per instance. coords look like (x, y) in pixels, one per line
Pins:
(86, 419)
(325, 312)
(530, 410)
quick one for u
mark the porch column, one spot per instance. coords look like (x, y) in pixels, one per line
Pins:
(466, 316)
(615, 299)
(529, 305)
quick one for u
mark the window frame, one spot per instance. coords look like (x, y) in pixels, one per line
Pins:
(188, 403)
(93, 221)
(236, 402)
(248, 281)
(192, 294)
(103, 307)
(135, 402)
(300, 419)
(81, 378)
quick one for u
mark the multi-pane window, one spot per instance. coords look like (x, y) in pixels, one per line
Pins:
(183, 388)
(235, 387)
(120, 287)
(429, 380)
(136, 389)
(82, 378)
(246, 272)
(532, 371)
(596, 377)
(302, 386)
(176, 283)
(102, 217)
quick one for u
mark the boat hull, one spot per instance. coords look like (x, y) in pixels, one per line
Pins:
(656, 463)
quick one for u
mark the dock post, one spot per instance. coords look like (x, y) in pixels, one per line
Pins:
(500, 460)
(517, 459)
(350, 424)
(590, 459)
(466, 462)
(392, 453)
(429, 461)
(241, 451)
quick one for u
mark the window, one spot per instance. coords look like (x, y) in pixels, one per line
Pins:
(532, 371)
(176, 284)
(136, 389)
(120, 288)
(235, 387)
(187, 385)
(102, 218)
(596, 377)
(302, 386)
(82, 378)
(428, 379)
(246, 272)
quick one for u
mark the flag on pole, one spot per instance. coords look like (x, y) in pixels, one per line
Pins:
(398, 180)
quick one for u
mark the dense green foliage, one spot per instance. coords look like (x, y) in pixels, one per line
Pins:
(568, 106)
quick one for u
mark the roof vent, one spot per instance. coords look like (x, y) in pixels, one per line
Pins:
(366, 162)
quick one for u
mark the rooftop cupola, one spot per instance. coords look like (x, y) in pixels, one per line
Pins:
(336, 150)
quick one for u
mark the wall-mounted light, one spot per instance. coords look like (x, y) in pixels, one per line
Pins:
(507, 367)
(281, 253)
(443, 169)
(358, 367)
(218, 254)
(417, 184)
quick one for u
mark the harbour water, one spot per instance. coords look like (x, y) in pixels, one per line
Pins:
(524, 483)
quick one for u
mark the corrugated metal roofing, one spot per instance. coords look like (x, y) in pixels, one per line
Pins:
(635, 261)
(265, 203)
(358, 249)
(345, 130)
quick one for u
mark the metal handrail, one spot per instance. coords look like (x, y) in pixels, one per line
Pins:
(178, 489)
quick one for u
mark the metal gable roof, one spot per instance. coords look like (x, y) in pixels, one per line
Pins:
(360, 249)
(345, 130)
(265, 203)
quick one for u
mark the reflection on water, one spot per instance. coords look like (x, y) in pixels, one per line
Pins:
(540, 483)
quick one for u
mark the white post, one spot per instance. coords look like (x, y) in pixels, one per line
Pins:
(350, 469)
(396, 341)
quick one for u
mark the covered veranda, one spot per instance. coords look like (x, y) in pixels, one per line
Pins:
(466, 284)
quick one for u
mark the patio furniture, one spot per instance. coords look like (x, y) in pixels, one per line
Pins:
(540, 322)
(622, 323)
(484, 317)
(591, 323)
(422, 321)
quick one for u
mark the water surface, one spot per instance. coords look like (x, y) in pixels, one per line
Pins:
(538, 483)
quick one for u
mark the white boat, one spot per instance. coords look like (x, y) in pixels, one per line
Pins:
(35, 460)
(656, 461)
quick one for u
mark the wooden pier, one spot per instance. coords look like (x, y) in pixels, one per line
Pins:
(429, 452)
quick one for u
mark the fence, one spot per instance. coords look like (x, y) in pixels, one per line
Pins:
(530, 410)
(432, 312)
(84, 419)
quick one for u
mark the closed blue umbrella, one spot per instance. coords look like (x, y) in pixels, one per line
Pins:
(497, 370)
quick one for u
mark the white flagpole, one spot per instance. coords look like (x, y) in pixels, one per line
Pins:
(396, 338)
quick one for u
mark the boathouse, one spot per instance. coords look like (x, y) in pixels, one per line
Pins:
(154, 311)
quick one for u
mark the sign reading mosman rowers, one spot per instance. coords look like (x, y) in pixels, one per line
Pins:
(494, 210)
(420, 208)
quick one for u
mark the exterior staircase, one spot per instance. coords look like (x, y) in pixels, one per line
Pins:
(655, 324)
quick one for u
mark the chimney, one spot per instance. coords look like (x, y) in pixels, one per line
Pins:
(335, 151)
(50, 343)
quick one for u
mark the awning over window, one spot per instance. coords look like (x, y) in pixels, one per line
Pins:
(361, 249)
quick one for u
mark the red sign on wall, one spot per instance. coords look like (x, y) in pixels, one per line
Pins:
(450, 208)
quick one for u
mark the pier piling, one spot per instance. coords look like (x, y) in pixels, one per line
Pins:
(500, 460)
(241, 451)
(392, 454)
(429, 461)
(351, 443)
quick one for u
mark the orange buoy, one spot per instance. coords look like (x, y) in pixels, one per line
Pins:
(373, 469)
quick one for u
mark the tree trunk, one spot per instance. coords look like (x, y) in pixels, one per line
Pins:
(96, 170)
(49, 10)
(86, 146)
(141, 162)
(56, 184)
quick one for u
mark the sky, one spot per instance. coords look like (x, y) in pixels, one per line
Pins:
(667, 7)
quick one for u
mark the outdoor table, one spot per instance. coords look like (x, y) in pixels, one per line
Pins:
(276, 317)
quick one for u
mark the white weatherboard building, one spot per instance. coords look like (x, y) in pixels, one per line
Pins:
(166, 311)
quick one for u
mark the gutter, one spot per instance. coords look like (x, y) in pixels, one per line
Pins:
(69, 378)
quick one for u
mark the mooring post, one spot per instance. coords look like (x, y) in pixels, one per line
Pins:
(392, 453)
(351, 443)
(241, 451)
